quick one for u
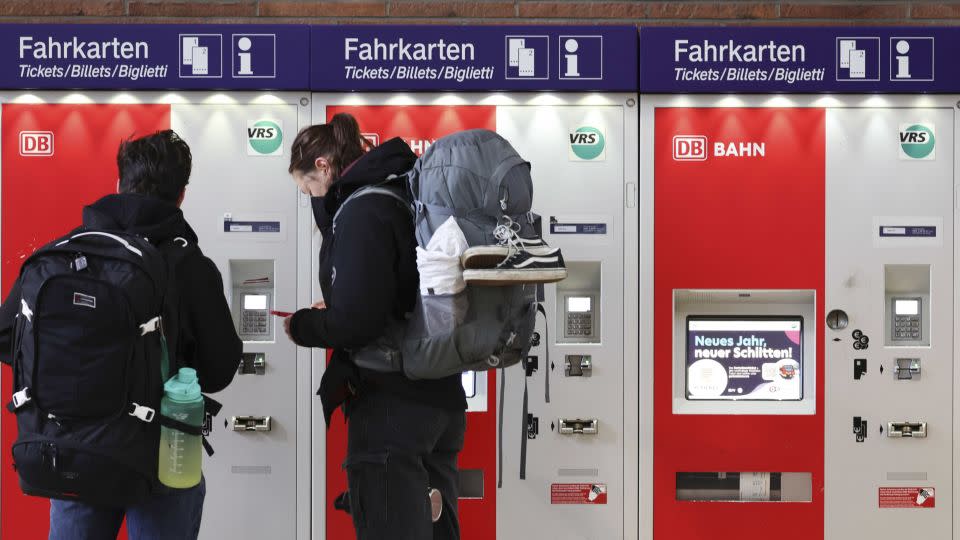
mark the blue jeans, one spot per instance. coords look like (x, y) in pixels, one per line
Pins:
(172, 515)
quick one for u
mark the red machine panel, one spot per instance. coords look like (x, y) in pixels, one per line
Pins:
(55, 160)
(419, 126)
(739, 204)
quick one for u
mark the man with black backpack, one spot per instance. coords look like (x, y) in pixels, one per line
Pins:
(94, 324)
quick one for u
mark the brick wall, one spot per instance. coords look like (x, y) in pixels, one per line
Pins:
(798, 12)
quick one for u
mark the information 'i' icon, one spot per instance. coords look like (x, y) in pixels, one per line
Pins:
(245, 45)
(573, 67)
(903, 61)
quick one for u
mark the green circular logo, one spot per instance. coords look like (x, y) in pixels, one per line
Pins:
(265, 137)
(587, 143)
(917, 141)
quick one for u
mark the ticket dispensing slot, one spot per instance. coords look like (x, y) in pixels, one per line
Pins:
(252, 299)
(914, 430)
(907, 304)
(578, 303)
(571, 426)
(907, 369)
(252, 364)
(578, 365)
(251, 423)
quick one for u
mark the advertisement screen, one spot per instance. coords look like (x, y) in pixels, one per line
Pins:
(745, 358)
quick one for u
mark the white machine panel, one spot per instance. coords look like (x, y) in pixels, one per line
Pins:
(244, 208)
(892, 273)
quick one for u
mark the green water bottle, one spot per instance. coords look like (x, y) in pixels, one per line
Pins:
(180, 453)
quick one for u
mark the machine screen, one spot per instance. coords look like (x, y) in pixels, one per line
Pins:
(255, 301)
(759, 358)
(578, 304)
(907, 307)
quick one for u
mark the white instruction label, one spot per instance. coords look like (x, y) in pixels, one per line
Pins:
(754, 486)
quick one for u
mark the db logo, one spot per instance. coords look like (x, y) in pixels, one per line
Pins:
(689, 148)
(36, 143)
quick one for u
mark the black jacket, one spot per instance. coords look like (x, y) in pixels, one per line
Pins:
(368, 275)
(204, 336)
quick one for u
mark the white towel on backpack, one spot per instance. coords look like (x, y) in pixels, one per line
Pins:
(439, 263)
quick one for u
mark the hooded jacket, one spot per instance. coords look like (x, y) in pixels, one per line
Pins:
(203, 335)
(369, 280)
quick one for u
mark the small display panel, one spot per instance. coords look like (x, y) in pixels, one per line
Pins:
(578, 304)
(744, 358)
(255, 301)
(907, 307)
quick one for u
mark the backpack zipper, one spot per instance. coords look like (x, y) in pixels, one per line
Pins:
(48, 451)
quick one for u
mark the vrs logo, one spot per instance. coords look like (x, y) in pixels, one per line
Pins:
(918, 142)
(689, 148)
(587, 144)
(36, 143)
(264, 138)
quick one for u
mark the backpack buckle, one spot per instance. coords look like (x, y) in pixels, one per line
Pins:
(25, 310)
(418, 205)
(150, 326)
(21, 398)
(80, 263)
(143, 413)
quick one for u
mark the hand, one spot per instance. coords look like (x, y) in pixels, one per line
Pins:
(286, 327)
(319, 304)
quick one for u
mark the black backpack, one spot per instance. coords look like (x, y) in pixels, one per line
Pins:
(88, 351)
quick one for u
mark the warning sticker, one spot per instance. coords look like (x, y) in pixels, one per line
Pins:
(578, 494)
(907, 497)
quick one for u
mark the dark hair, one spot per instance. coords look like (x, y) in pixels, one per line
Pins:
(157, 165)
(338, 141)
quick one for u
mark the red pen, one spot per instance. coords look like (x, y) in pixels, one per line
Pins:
(283, 314)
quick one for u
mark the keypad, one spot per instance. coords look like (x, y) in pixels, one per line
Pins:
(254, 322)
(580, 324)
(907, 328)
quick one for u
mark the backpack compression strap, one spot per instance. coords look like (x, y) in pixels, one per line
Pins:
(211, 408)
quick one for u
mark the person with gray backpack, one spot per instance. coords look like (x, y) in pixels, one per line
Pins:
(403, 435)
(403, 331)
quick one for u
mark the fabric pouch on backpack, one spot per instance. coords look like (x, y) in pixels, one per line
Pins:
(443, 302)
(439, 263)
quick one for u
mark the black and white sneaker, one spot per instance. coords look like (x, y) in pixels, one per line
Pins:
(492, 255)
(520, 268)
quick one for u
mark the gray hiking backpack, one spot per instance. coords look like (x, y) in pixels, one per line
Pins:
(479, 179)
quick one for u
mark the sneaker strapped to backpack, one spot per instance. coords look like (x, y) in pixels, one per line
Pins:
(514, 260)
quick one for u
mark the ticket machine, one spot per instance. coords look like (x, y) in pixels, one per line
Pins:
(802, 283)
(575, 124)
(59, 153)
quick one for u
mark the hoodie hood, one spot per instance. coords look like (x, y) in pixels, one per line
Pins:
(391, 157)
(143, 215)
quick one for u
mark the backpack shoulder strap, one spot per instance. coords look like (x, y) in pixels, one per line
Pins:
(378, 189)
